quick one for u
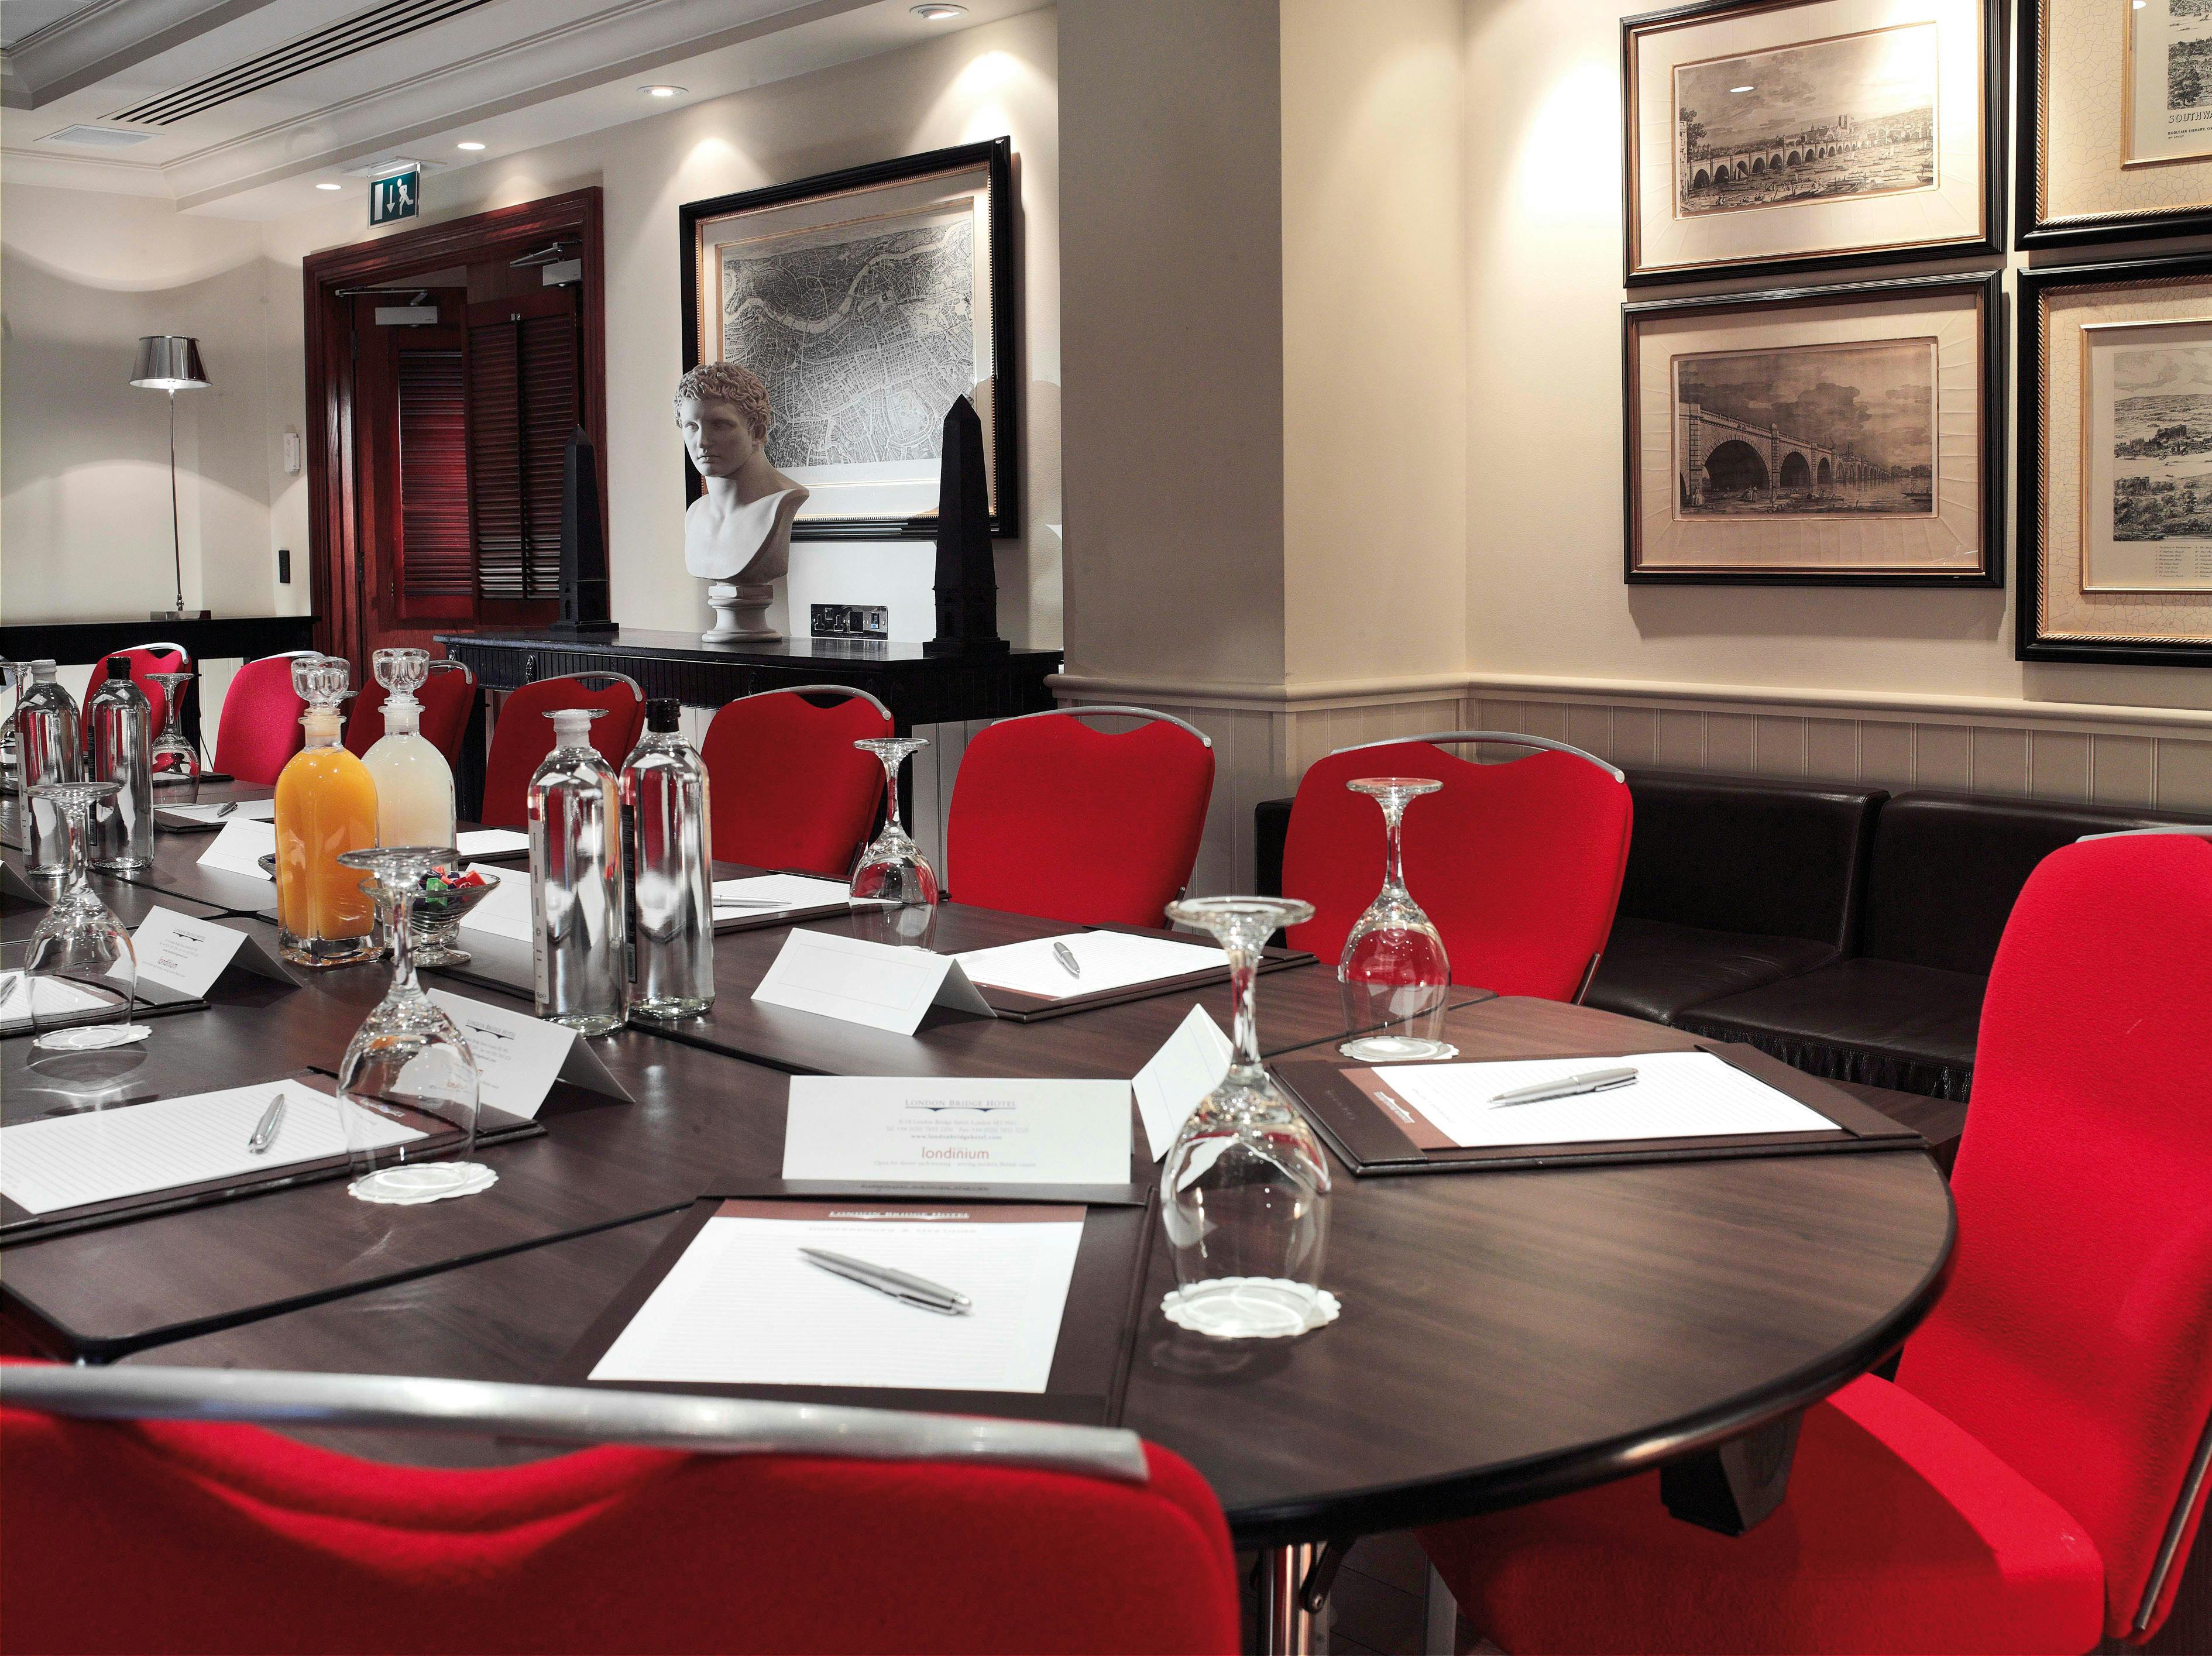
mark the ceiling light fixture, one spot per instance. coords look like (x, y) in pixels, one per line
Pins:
(330, 186)
(468, 143)
(661, 91)
(937, 12)
(1743, 88)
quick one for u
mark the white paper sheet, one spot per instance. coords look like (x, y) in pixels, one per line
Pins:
(1179, 1075)
(1676, 1096)
(962, 1132)
(741, 1307)
(506, 912)
(188, 955)
(70, 1161)
(240, 810)
(519, 1057)
(857, 981)
(56, 995)
(781, 892)
(239, 848)
(490, 842)
(1109, 959)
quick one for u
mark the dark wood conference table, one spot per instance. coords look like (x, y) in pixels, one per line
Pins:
(1505, 1336)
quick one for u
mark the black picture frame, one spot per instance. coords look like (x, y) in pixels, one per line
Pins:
(2028, 643)
(1987, 287)
(2032, 232)
(996, 156)
(1995, 102)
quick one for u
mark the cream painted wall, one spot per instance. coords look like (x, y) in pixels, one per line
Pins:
(983, 82)
(1544, 594)
(84, 477)
(1375, 388)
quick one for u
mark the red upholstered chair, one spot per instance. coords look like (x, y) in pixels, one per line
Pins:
(261, 713)
(751, 1528)
(1053, 818)
(2026, 1484)
(146, 659)
(1518, 864)
(524, 735)
(788, 788)
(448, 696)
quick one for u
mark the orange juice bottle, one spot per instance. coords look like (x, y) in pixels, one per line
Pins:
(326, 804)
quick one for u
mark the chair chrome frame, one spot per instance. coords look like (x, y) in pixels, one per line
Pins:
(1081, 709)
(845, 690)
(2193, 830)
(569, 1414)
(1502, 738)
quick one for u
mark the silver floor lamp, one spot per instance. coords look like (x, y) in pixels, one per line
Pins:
(170, 362)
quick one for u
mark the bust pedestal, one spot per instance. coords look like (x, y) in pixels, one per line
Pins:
(740, 612)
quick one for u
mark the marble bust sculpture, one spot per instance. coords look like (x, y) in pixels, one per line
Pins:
(736, 535)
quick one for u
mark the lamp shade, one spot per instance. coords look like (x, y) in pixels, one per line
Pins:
(169, 361)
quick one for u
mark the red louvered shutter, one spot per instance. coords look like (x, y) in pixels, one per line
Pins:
(495, 459)
(549, 413)
(436, 580)
(523, 402)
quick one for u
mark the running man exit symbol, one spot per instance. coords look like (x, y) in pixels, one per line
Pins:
(399, 197)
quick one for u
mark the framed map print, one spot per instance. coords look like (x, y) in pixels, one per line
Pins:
(1844, 435)
(2115, 464)
(2116, 128)
(1772, 136)
(866, 301)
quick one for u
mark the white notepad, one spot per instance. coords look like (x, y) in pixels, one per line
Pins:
(961, 1131)
(506, 912)
(1109, 959)
(246, 811)
(490, 842)
(239, 848)
(741, 1307)
(56, 996)
(70, 1160)
(1676, 1096)
(779, 893)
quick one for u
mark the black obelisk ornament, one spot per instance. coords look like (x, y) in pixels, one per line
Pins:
(967, 580)
(586, 605)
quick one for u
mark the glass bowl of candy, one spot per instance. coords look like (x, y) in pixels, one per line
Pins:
(447, 895)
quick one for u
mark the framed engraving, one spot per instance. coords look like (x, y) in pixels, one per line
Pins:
(2116, 128)
(1834, 435)
(2115, 464)
(865, 301)
(1769, 137)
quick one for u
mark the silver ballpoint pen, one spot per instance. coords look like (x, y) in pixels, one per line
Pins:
(265, 1133)
(1591, 1080)
(917, 1291)
(1066, 956)
(228, 809)
(8, 993)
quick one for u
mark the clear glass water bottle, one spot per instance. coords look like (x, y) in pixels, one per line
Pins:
(577, 953)
(46, 751)
(671, 870)
(118, 729)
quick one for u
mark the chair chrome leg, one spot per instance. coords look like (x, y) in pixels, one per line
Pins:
(1440, 1634)
(1287, 1628)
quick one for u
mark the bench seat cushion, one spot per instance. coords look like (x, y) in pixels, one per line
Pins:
(1654, 969)
(1884, 1023)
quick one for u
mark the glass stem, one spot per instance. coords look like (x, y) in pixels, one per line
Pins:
(1243, 1022)
(1394, 859)
(890, 793)
(403, 946)
(76, 831)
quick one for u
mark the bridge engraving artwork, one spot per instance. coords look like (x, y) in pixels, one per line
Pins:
(1844, 430)
(1848, 116)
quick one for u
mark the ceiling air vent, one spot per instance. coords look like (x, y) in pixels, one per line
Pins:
(96, 137)
(374, 27)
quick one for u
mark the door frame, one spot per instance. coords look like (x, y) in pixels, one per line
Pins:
(334, 554)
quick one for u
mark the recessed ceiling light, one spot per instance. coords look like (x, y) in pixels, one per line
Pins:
(330, 186)
(660, 91)
(468, 143)
(937, 12)
(1743, 88)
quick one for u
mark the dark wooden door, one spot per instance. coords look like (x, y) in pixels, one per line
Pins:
(525, 396)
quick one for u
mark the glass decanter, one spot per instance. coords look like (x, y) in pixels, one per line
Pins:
(176, 761)
(326, 805)
(80, 969)
(407, 1085)
(892, 870)
(1244, 1190)
(1394, 974)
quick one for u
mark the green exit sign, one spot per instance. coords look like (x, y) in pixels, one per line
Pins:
(399, 197)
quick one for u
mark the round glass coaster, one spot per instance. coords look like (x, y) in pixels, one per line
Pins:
(91, 1038)
(1250, 1307)
(431, 1181)
(1396, 1049)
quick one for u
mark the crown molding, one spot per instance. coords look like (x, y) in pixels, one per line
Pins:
(106, 38)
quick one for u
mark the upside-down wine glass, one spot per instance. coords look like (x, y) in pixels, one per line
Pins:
(12, 674)
(1394, 974)
(1245, 1187)
(80, 969)
(407, 1087)
(892, 871)
(176, 761)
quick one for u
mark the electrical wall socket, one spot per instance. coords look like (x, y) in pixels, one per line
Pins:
(851, 620)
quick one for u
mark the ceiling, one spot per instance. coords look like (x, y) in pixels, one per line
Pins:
(238, 107)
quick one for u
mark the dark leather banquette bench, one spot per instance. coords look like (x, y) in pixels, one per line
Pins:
(1845, 930)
